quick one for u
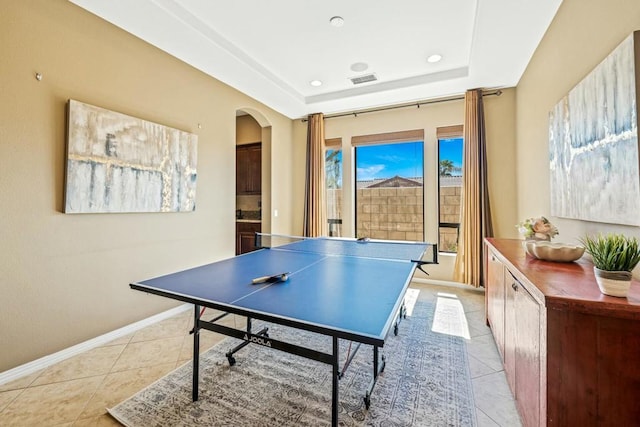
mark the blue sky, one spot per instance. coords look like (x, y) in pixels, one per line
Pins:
(389, 160)
(405, 159)
(451, 149)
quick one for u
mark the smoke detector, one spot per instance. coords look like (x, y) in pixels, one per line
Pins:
(336, 21)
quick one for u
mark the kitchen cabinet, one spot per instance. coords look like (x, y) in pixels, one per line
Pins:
(570, 353)
(246, 236)
(249, 169)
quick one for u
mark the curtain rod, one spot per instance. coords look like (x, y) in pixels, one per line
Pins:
(497, 92)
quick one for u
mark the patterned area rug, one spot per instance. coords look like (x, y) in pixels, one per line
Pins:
(426, 382)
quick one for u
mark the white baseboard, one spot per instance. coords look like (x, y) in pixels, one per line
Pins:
(46, 361)
(446, 283)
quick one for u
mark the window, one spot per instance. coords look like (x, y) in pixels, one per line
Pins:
(450, 143)
(333, 181)
(389, 186)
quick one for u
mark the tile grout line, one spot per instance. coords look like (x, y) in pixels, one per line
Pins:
(110, 371)
(488, 416)
(14, 399)
(89, 399)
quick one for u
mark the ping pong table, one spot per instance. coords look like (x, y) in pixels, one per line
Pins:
(342, 288)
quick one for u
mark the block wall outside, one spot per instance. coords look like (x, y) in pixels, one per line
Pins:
(449, 212)
(390, 213)
(334, 209)
(397, 213)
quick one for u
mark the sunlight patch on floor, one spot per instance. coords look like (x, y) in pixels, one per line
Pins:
(410, 299)
(449, 317)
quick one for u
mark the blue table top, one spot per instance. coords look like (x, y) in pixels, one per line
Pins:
(340, 285)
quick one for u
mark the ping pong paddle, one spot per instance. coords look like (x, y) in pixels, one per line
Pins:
(282, 277)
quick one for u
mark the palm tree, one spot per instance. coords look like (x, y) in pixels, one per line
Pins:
(446, 167)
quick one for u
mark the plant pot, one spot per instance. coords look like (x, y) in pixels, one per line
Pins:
(613, 283)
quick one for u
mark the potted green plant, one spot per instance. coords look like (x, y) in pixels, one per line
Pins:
(614, 256)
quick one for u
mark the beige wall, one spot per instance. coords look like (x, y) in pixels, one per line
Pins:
(248, 130)
(64, 278)
(500, 116)
(582, 34)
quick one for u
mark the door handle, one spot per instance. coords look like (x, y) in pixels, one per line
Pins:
(514, 286)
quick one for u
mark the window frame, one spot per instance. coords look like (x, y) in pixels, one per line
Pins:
(334, 144)
(388, 138)
(447, 132)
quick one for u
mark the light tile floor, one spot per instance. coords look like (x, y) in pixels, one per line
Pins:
(76, 392)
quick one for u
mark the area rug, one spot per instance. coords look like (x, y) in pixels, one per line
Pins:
(426, 382)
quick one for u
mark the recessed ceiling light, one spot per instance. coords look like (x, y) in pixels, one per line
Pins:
(315, 83)
(434, 58)
(337, 21)
(359, 66)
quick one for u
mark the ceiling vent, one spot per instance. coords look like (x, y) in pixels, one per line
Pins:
(363, 79)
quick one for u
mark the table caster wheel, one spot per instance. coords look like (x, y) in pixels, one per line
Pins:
(395, 330)
(232, 360)
(367, 401)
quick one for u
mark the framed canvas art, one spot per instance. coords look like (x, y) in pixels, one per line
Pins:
(119, 163)
(593, 143)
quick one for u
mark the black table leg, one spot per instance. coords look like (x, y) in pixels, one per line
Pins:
(378, 368)
(196, 353)
(336, 376)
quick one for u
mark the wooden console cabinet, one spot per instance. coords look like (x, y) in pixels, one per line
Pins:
(571, 354)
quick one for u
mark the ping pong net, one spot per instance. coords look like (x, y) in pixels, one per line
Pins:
(420, 252)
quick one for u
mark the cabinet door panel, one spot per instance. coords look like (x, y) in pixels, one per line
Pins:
(241, 171)
(254, 175)
(527, 363)
(495, 300)
(246, 236)
(249, 169)
(618, 389)
(510, 330)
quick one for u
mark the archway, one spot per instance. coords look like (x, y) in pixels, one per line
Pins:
(253, 177)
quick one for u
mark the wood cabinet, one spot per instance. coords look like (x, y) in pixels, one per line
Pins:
(246, 236)
(525, 356)
(249, 169)
(495, 297)
(509, 332)
(570, 353)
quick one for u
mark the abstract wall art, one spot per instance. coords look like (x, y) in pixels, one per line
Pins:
(593, 143)
(119, 163)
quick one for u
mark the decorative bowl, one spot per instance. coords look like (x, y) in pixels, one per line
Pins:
(557, 252)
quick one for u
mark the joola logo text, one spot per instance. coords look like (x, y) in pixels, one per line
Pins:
(258, 340)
